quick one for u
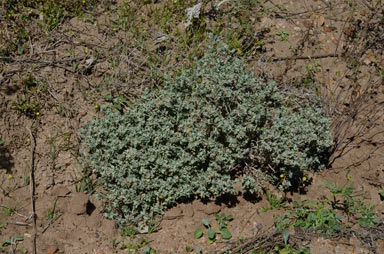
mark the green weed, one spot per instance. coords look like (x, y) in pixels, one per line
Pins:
(51, 213)
(311, 69)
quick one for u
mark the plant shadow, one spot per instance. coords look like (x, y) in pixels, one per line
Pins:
(6, 159)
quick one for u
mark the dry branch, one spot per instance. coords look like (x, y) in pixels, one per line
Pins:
(278, 59)
(33, 186)
(39, 64)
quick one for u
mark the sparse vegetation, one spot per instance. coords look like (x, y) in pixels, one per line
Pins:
(328, 216)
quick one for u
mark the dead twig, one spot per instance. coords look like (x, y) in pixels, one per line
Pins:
(50, 222)
(33, 186)
(278, 59)
(15, 212)
(39, 62)
(18, 223)
(172, 217)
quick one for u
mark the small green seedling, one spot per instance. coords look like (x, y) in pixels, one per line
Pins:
(222, 221)
(10, 211)
(283, 35)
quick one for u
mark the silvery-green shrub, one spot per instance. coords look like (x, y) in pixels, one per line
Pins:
(207, 128)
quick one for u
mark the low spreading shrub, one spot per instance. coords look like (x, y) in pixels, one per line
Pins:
(207, 128)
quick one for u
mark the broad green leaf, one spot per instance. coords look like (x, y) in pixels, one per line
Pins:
(6, 243)
(206, 223)
(198, 233)
(225, 234)
(18, 238)
(188, 249)
(211, 234)
(285, 251)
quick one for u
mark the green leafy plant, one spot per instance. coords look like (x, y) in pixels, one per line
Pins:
(118, 103)
(191, 137)
(211, 233)
(26, 106)
(311, 215)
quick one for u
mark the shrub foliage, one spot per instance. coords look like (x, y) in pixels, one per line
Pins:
(207, 128)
